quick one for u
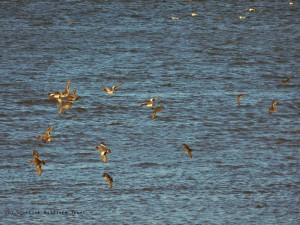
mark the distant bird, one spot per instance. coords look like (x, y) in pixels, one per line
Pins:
(149, 103)
(63, 105)
(285, 81)
(273, 107)
(187, 149)
(155, 110)
(37, 162)
(108, 179)
(250, 10)
(102, 148)
(46, 137)
(238, 97)
(64, 94)
(112, 90)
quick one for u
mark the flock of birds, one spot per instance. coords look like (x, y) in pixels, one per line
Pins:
(241, 17)
(102, 148)
(272, 109)
(64, 106)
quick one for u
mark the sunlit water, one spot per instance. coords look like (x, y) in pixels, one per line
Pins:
(245, 165)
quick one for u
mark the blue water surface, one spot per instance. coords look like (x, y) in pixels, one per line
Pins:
(245, 164)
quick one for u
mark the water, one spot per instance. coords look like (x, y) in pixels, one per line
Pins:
(245, 165)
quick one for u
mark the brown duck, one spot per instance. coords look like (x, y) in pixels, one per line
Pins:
(273, 107)
(108, 179)
(102, 148)
(46, 137)
(238, 98)
(63, 105)
(155, 110)
(112, 90)
(37, 162)
(187, 149)
(149, 103)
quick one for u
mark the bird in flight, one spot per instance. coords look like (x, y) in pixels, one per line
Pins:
(286, 81)
(46, 137)
(112, 90)
(187, 149)
(238, 97)
(155, 110)
(273, 107)
(108, 179)
(149, 103)
(37, 162)
(63, 105)
(102, 148)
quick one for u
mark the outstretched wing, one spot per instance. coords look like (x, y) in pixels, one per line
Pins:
(47, 132)
(187, 149)
(106, 88)
(117, 85)
(153, 115)
(35, 154)
(274, 103)
(190, 154)
(110, 183)
(39, 170)
(60, 110)
(67, 87)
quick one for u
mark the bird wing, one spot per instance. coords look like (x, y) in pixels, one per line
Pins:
(59, 100)
(274, 103)
(187, 149)
(35, 153)
(67, 87)
(101, 147)
(107, 89)
(144, 103)
(60, 110)
(153, 115)
(110, 182)
(118, 85)
(39, 170)
(47, 132)
(103, 156)
(241, 96)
